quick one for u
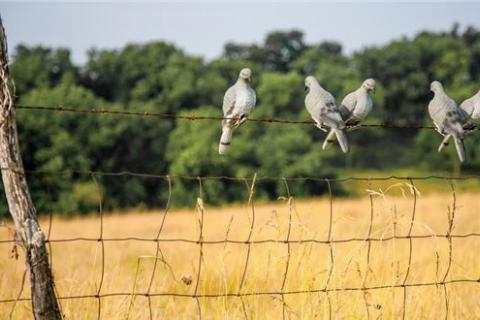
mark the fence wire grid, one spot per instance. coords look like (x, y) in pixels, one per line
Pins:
(158, 241)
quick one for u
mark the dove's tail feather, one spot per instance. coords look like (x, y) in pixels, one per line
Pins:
(460, 148)
(444, 143)
(328, 140)
(225, 140)
(342, 139)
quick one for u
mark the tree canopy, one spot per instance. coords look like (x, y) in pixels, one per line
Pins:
(159, 77)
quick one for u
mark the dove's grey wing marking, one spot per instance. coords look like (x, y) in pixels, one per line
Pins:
(229, 101)
(328, 98)
(329, 113)
(452, 121)
(349, 102)
(331, 117)
(344, 112)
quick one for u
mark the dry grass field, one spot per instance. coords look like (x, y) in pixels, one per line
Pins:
(77, 265)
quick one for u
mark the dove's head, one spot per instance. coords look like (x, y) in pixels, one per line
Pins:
(245, 74)
(436, 86)
(309, 82)
(369, 85)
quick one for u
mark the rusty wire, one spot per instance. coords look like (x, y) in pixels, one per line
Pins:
(193, 117)
(234, 178)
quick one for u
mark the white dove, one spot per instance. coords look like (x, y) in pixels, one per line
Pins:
(354, 108)
(470, 111)
(238, 102)
(447, 118)
(324, 111)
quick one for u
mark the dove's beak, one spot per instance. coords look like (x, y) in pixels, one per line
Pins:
(306, 88)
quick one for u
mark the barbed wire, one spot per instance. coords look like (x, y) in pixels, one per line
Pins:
(240, 293)
(105, 111)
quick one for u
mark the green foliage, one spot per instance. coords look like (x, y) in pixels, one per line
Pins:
(158, 77)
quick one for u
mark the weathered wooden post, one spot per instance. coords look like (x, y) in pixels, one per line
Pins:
(27, 230)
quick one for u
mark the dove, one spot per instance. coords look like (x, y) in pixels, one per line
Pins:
(470, 111)
(324, 111)
(354, 108)
(447, 118)
(238, 102)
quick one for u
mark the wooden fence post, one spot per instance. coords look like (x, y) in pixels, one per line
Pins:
(27, 230)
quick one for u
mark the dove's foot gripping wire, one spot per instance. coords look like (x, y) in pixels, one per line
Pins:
(353, 127)
(241, 120)
(439, 130)
(320, 126)
(470, 128)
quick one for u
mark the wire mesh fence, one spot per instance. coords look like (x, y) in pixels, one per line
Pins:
(289, 284)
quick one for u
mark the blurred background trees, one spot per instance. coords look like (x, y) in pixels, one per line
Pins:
(158, 77)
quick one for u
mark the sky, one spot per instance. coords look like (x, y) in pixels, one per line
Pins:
(203, 28)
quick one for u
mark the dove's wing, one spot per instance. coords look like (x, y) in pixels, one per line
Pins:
(349, 102)
(452, 122)
(327, 97)
(253, 101)
(331, 117)
(476, 108)
(468, 106)
(437, 111)
(229, 101)
(470, 109)
(347, 107)
(326, 109)
(312, 104)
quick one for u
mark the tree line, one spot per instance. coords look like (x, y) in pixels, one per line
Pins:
(160, 77)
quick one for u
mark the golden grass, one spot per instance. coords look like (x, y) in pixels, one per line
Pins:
(77, 265)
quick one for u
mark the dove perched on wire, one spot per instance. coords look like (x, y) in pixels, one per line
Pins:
(238, 102)
(447, 118)
(324, 111)
(354, 108)
(470, 112)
